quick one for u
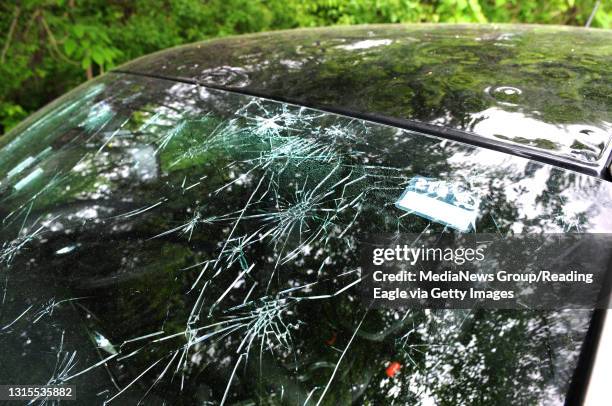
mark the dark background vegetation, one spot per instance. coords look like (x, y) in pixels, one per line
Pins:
(49, 46)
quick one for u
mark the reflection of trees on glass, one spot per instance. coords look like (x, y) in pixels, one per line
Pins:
(542, 87)
(204, 246)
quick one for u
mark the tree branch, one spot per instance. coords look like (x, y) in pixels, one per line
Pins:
(54, 41)
(9, 36)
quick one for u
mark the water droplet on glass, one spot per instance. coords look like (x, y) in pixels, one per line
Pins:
(505, 95)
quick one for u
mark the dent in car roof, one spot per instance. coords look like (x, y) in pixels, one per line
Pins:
(544, 88)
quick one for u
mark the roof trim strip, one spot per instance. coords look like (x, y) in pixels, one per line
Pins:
(412, 125)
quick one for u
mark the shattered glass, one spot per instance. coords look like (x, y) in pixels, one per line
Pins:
(544, 89)
(166, 243)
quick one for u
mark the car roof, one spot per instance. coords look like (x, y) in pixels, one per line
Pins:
(543, 92)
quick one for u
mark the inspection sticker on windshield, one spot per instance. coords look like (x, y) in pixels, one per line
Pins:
(448, 203)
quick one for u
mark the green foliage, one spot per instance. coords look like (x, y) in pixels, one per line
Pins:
(49, 46)
(11, 114)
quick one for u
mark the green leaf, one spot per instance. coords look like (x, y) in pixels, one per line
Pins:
(98, 56)
(78, 30)
(86, 62)
(70, 46)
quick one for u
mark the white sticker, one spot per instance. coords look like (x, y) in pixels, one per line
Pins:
(448, 203)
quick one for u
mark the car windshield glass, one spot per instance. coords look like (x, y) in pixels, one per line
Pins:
(181, 244)
(544, 88)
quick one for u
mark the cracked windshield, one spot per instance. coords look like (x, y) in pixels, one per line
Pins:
(169, 243)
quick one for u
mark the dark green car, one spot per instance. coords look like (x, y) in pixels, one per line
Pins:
(186, 229)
